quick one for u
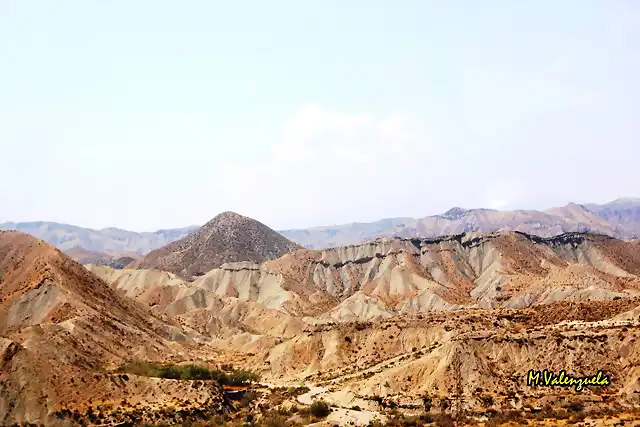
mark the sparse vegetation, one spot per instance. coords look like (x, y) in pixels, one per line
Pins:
(444, 420)
(575, 407)
(274, 419)
(249, 397)
(444, 404)
(191, 372)
(320, 409)
(487, 400)
(191, 394)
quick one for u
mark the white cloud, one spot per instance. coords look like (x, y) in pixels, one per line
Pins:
(497, 204)
(315, 133)
(505, 194)
(332, 166)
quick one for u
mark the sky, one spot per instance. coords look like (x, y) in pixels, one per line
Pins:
(157, 114)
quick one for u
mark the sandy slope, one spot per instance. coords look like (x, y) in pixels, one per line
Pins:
(390, 276)
(389, 322)
(62, 330)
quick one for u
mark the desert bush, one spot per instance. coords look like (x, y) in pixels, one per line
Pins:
(297, 391)
(170, 372)
(444, 404)
(487, 400)
(320, 409)
(239, 377)
(443, 420)
(401, 420)
(505, 417)
(140, 368)
(248, 397)
(285, 411)
(190, 372)
(426, 418)
(273, 419)
(196, 372)
(575, 407)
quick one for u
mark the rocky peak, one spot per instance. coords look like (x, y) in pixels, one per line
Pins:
(228, 237)
(454, 213)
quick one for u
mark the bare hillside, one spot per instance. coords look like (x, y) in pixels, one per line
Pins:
(443, 328)
(394, 329)
(228, 237)
(62, 332)
(387, 277)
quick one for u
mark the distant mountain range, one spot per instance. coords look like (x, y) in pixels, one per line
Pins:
(112, 241)
(407, 317)
(619, 218)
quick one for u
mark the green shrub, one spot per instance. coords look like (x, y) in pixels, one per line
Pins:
(190, 372)
(320, 409)
(196, 372)
(240, 377)
(170, 372)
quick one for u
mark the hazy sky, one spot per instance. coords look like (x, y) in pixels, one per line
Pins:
(157, 114)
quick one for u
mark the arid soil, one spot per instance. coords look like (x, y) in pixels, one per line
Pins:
(394, 331)
(62, 333)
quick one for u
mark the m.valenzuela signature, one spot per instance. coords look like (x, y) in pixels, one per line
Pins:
(547, 378)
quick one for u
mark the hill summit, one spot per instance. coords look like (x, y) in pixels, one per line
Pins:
(229, 237)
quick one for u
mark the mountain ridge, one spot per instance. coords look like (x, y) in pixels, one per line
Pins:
(391, 276)
(619, 218)
(109, 240)
(572, 217)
